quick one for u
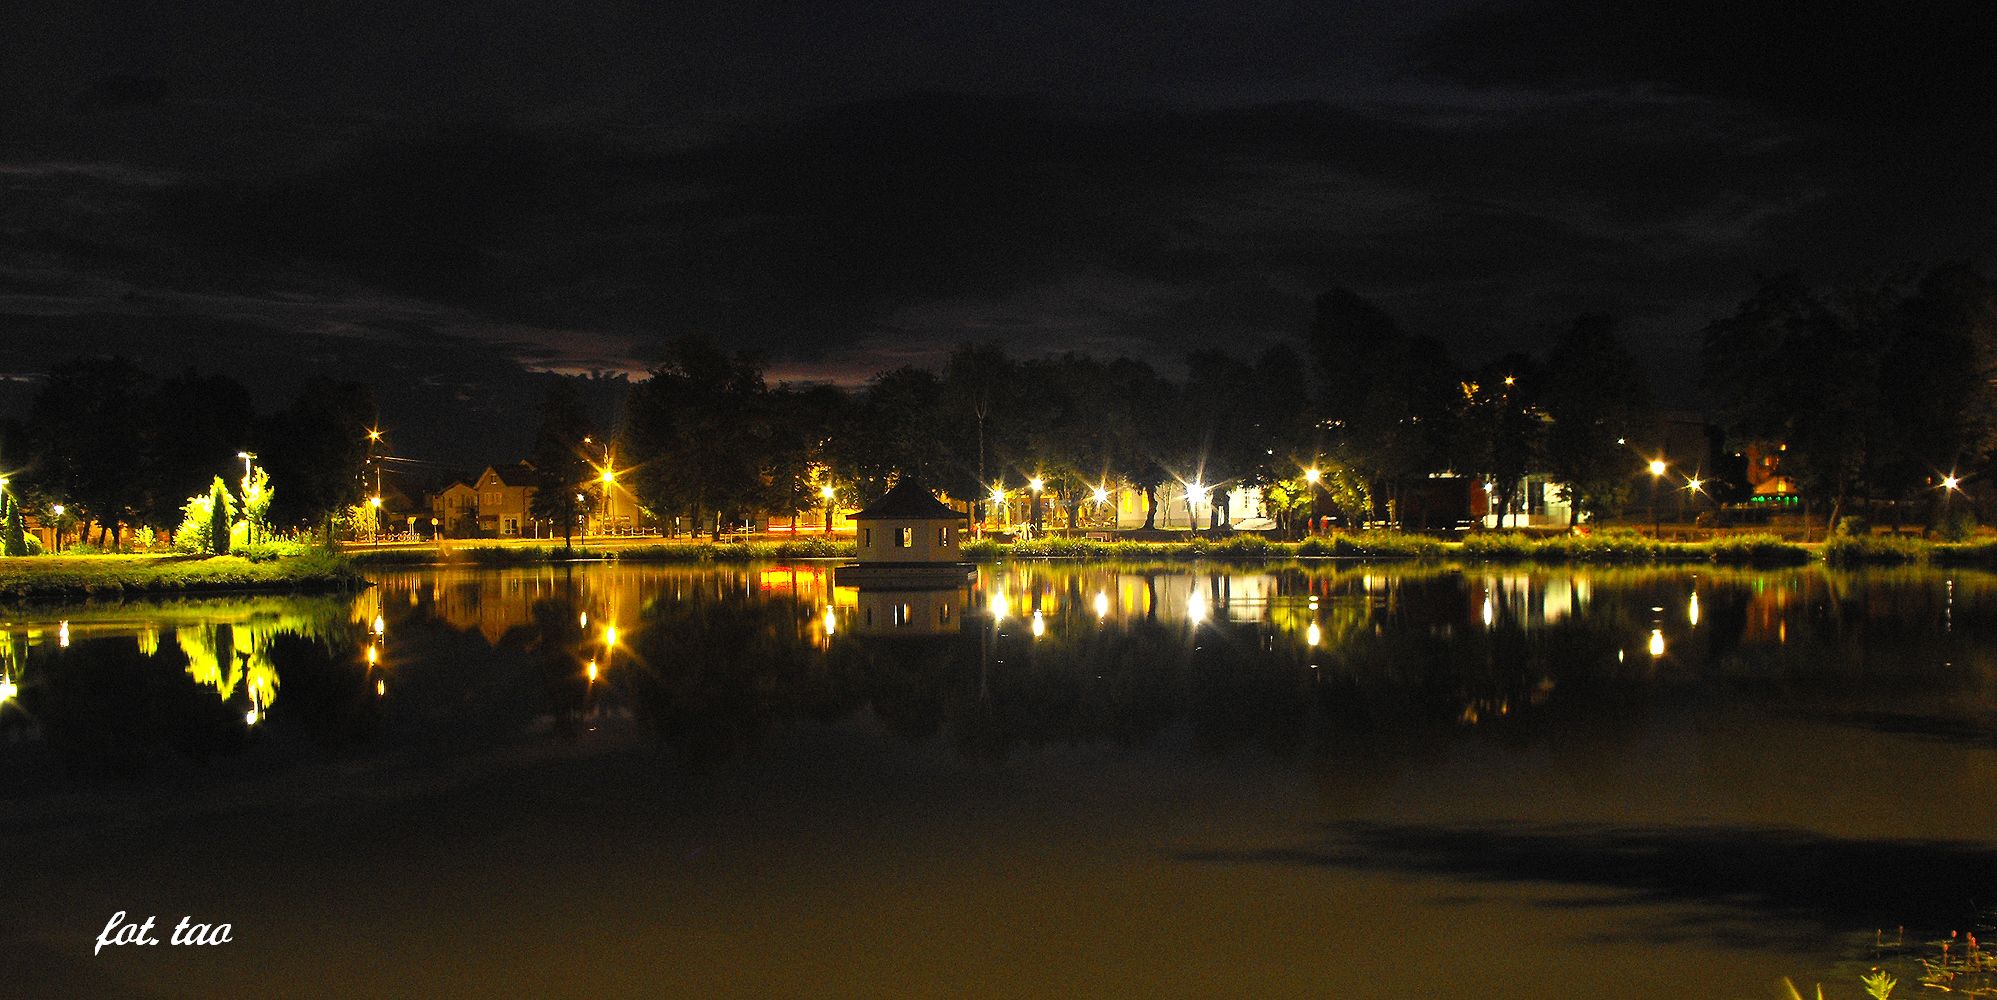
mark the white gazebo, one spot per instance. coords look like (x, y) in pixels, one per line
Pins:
(908, 536)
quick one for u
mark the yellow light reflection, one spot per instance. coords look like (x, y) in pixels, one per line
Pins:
(1657, 642)
(1000, 607)
(582, 620)
(62, 634)
(1039, 625)
(374, 656)
(8, 689)
(380, 688)
(1102, 604)
(1196, 607)
(1490, 614)
(380, 625)
(1313, 635)
(610, 635)
(592, 671)
(1692, 610)
(831, 621)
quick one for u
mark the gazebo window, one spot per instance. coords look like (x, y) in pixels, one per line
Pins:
(905, 539)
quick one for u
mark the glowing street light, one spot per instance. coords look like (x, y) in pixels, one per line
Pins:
(608, 477)
(1657, 468)
(1951, 483)
(1034, 484)
(1102, 494)
(1313, 476)
(826, 493)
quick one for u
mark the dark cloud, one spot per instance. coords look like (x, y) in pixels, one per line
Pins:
(845, 187)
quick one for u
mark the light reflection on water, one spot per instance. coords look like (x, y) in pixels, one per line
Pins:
(1136, 650)
(1685, 735)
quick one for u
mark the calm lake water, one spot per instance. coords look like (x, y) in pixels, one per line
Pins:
(1061, 780)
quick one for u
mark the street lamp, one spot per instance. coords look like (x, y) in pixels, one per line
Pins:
(826, 494)
(1696, 486)
(1033, 486)
(609, 480)
(1312, 476)
(1656, 510)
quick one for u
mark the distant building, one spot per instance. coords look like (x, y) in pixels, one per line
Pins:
(505, 497)
(454, 511)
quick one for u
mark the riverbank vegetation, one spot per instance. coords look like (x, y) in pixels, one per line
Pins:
(123, 575)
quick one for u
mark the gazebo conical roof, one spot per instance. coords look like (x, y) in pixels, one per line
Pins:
(909, 501)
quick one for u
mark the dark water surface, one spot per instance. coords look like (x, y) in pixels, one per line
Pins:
(1062, 780)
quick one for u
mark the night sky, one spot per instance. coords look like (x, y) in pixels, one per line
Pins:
(445, 198)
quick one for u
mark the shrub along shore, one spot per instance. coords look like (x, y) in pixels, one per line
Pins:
(314, 571)
(1606, 547)
(38, 577)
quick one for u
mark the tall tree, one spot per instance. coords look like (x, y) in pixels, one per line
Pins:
(318, 448)
(1386, 396)
(87, 429)
(195, 426)
(698, 430)
(1790, 370)
(1597, 398)
(562, 463)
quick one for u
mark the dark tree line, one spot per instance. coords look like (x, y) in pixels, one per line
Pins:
(119, 448)
(1877, 392)
(1373, 408)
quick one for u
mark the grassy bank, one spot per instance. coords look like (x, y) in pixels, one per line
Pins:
(115, 576)
(663, 552)
(1893, 550)
(1597, 548)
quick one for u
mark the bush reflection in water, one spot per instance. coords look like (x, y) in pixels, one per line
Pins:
(1350, 665)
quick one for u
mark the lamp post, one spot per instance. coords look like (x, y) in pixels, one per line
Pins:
(1312, 476)
(1656, 511)
(58, 510)
(249, 526)
(826, 493)
(1696, 486)
(1033, 487)
(1951, 485)
(609, 480)
(998, 504)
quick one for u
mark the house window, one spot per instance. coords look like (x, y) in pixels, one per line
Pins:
(866, 538)
(943, 538)
(905, 538)
(901, 615)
